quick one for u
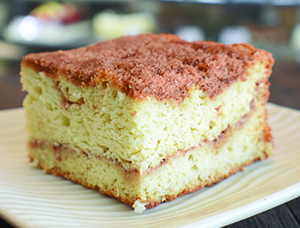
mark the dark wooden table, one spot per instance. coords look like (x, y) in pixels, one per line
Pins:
(285, 90)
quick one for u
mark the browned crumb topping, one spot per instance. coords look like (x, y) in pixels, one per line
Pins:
(214, 144)
(163, 66)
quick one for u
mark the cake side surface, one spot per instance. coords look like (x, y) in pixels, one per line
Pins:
(140, 134)
(202, 166)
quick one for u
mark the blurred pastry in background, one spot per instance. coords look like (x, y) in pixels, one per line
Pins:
(108, 24)
(51, 23)
(55, 12)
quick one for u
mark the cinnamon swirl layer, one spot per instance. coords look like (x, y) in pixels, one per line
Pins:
(187, 172)
(138, 134)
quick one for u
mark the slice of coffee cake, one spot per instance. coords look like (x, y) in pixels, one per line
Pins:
(147, 118)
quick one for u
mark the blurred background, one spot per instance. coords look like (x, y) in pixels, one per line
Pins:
(36, 26)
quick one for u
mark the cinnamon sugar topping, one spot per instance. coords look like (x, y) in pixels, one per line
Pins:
(163, 66)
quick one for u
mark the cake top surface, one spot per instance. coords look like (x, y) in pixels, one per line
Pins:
(163, 66)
